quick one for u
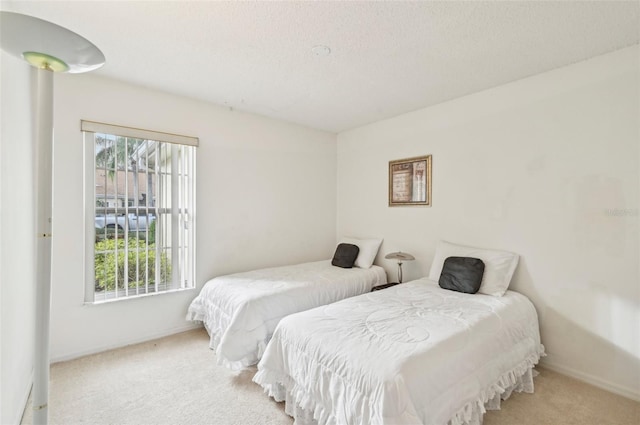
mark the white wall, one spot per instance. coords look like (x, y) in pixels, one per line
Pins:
(547, 167)
(265, 196)
(17, 239)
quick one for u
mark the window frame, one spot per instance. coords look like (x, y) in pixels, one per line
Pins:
(182, 215)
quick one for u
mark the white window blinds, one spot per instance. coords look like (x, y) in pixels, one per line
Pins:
(140, 203)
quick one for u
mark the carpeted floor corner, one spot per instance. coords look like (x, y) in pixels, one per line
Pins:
(561, 400)
(175, 380)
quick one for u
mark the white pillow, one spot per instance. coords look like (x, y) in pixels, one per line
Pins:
(368, 250)
(498, 265)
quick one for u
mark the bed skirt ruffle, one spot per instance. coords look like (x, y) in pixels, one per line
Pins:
(306, 411)
(215, 324)
(519, 379)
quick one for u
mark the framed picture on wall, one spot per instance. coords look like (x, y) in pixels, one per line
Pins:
(410, 181)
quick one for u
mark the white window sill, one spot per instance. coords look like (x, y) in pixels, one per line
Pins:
(134, 297)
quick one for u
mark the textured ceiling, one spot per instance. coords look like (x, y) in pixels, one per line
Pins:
(387, 58)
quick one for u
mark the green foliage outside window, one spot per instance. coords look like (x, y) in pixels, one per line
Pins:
(152, 232)
(138, 254)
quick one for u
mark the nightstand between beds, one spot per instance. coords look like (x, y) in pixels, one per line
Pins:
(385, 286)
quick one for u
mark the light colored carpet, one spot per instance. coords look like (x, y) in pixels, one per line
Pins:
(175, 380)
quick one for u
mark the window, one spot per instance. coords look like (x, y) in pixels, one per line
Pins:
(140, 212)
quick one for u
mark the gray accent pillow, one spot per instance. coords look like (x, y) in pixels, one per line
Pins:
(345, 255)
(462, 274)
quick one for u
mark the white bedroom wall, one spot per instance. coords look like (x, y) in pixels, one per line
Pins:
(266, 196)
(17, 239)
(547, 167)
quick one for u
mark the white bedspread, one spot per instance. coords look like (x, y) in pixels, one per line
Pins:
(410, 354)
(241, 311)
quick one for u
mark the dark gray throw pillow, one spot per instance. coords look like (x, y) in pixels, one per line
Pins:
(462, 274)
(345, 255)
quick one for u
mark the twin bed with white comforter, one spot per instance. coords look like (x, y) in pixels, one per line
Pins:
(436, 351)
(241, 311)
(411, 354)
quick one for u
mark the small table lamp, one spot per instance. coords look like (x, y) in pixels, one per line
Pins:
(400, 257)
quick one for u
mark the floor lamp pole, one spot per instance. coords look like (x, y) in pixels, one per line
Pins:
(48, 48)
(44, 198)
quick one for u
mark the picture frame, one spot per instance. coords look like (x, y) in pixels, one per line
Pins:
(410, 182)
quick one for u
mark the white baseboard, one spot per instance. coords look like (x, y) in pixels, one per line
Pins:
(124, 343)
(590, 379)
